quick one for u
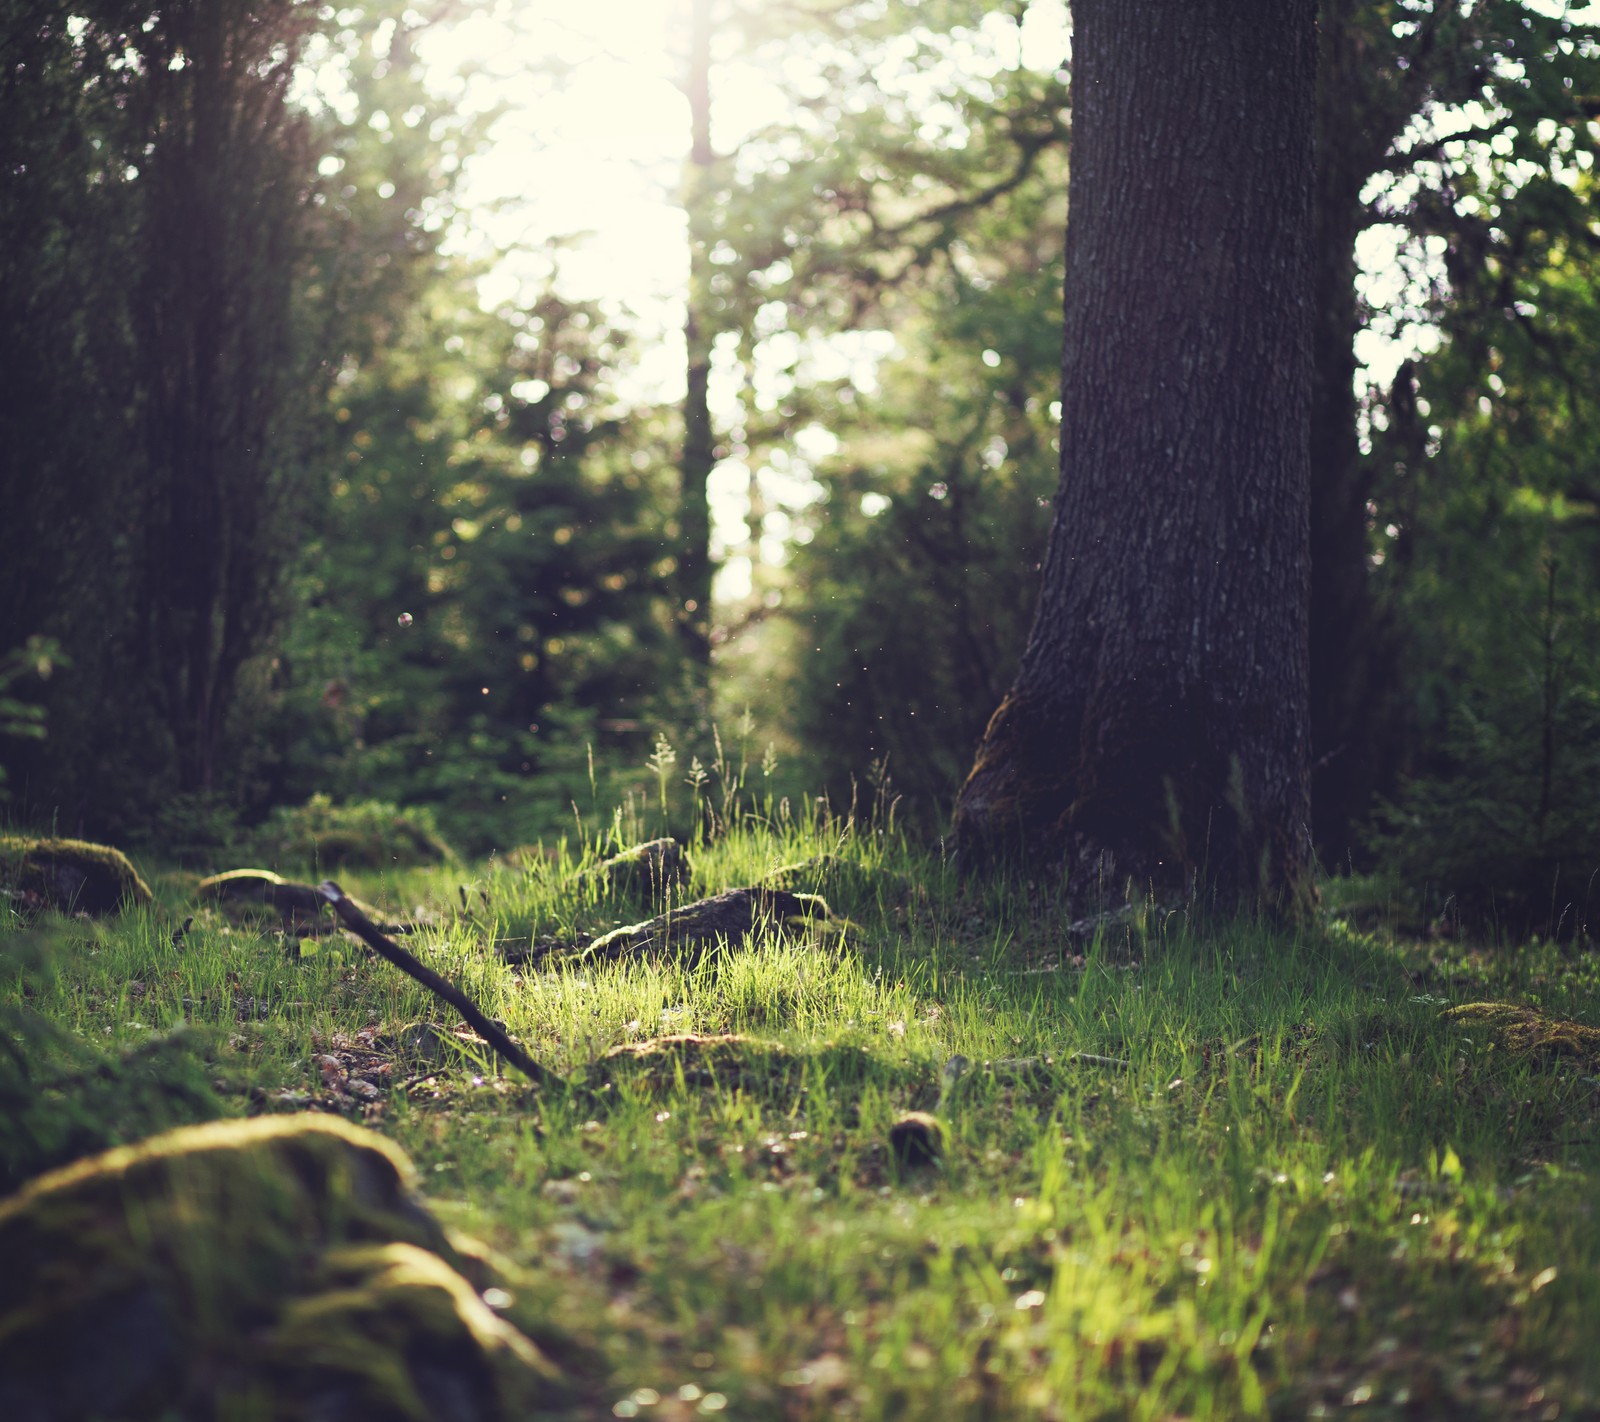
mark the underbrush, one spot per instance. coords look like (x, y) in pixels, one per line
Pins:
(1218, 1173)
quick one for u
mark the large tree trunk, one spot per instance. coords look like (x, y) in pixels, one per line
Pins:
(1157, 732)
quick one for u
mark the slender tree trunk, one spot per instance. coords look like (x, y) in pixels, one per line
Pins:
(1157, 732)
(699, 443)
(1351, 648)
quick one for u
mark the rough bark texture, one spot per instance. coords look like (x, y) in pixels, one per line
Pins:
(1157, 730)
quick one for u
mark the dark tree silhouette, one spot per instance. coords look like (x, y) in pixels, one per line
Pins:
(1157, 732)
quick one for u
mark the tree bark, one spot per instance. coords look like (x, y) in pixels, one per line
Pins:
(1157, 732)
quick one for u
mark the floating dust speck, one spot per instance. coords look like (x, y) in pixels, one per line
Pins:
(405, 619)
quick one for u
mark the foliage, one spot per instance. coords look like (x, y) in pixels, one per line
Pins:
(21, 718)
(61, 1097)
(905, 601)
(908, 610)
(180, 246)
(369, 835)
(1484, 517)
(1503, 832)
(488, 594)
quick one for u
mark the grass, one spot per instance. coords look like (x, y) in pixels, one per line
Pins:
(1302, 1191)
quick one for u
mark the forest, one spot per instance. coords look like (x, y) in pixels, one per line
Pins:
(872, 708)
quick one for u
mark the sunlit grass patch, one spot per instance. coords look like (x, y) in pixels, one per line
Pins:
(1209, 1173)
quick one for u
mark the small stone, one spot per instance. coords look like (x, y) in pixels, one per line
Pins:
(917, 1138)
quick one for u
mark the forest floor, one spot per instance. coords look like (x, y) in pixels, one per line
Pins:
(1199, 1174)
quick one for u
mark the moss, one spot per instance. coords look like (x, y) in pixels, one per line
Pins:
(1525, 1031)
(252, 891)
(72, 874)
(731, 916)
(645, 870)
(168, 1275)
(390, 1330)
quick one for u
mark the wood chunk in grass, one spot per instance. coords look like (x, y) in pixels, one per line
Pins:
(843, 877)
(728, 1060)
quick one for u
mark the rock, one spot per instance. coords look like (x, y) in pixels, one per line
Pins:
(301, 907)
(646, 870)
(247, 890)
(732, 916)
(917, 1138)
(282, 1266)
(72, 874)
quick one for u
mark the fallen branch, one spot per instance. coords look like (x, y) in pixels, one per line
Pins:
(367, 931)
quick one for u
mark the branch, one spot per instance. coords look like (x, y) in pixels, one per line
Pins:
(367, 931)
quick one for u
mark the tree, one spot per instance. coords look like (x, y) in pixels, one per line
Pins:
(158, 225)
(176, 252)
(1157, 731)
(229, 379)
(699, 440)
(1432, 115)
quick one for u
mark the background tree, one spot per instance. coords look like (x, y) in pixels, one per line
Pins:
(1157, 730)
(208, 276)
(892, 259)
(699, 440)
(169, 243)
(1421, 105)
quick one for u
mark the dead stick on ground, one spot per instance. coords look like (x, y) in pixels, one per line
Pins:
(367, 931)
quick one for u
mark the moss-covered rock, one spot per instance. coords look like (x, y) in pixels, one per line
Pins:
(73, 875)
(1525, 1031)
(242, 892)
(207, 1271)
(730, 917)
(245, 893)
(647, 870)
(390, 1330)
(917, 1138)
